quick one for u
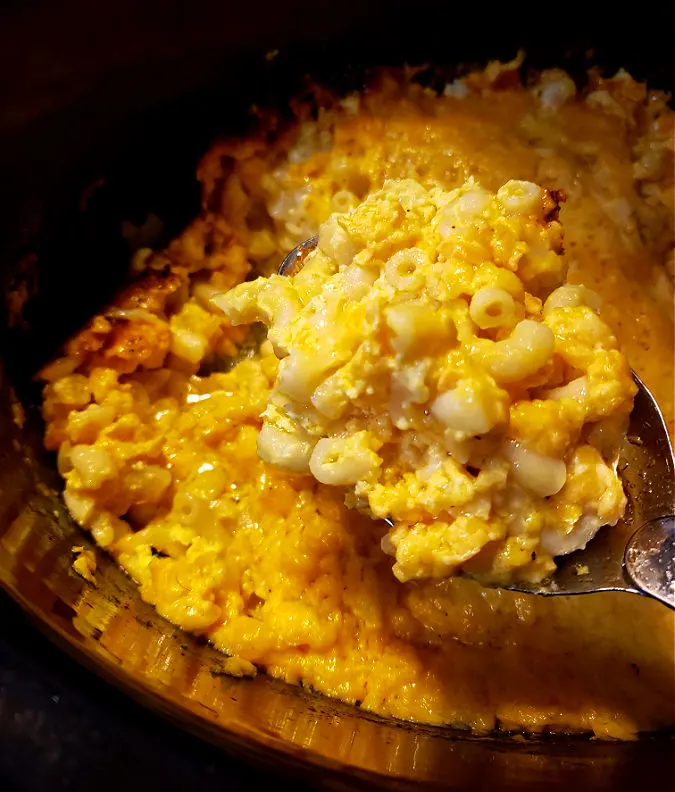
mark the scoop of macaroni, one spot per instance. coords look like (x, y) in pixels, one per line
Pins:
(436, 365)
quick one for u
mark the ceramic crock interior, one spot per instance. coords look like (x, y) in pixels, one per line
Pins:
(116, 136)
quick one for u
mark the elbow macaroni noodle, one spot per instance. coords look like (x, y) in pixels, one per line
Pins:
(492, 307)
(406, 359)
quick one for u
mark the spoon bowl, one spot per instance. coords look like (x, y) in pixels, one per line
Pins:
(636, 555)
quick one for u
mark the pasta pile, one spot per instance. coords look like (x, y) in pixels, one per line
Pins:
(436, 366)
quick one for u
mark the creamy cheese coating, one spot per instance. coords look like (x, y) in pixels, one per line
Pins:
(435, 364)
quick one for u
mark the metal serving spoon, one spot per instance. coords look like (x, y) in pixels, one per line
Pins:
(618, 558)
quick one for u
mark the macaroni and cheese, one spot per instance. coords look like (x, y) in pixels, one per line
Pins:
(435, 364)
(155, 430)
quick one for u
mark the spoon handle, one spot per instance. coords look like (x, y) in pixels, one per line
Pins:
(650, 559)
